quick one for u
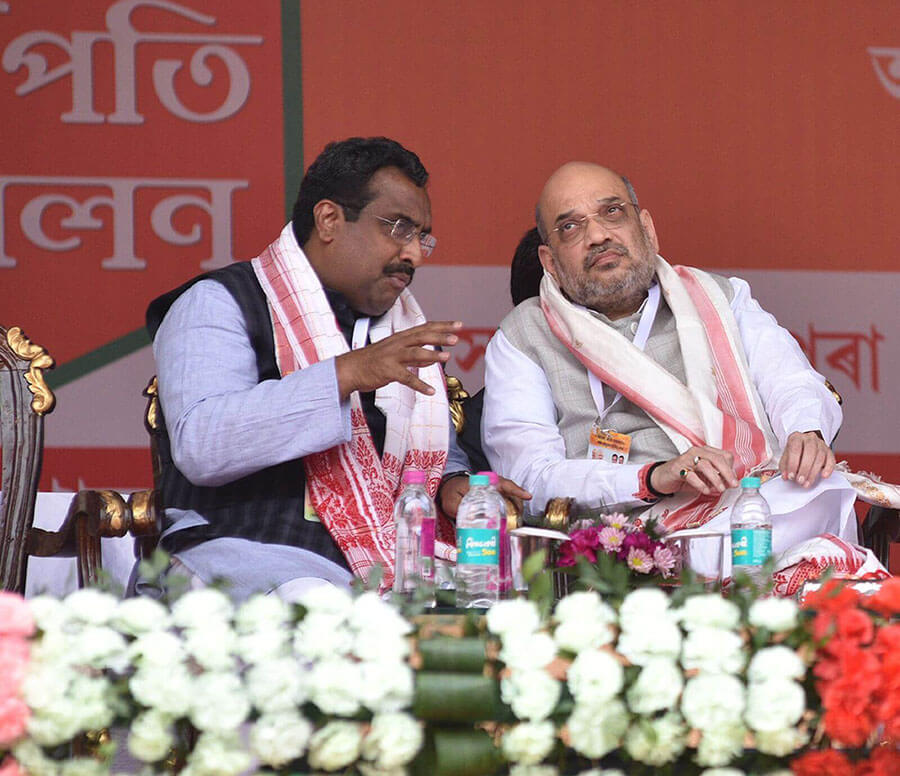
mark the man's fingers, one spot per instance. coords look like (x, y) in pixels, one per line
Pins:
(509, 488)
(408, 378)
(790, 459)
(711, 475)
(828, 468)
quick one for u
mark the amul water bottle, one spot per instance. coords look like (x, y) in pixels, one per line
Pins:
(414, 518)
(751, 531)
(478, 545)
(505, 555)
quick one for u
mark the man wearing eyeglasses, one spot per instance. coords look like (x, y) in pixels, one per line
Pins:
(631, 384)
(298, 387)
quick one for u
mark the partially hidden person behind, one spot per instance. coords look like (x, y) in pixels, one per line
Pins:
(297, 387)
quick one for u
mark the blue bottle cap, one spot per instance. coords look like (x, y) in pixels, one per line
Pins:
(750, 482)
(479, 479)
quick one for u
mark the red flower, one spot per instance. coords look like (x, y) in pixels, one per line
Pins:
(834, 596)
(883, 761)
(854, 625)
(827, 762)
(886, 601)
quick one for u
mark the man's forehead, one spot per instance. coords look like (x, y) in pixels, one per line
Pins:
(399, 196)
(580, 184)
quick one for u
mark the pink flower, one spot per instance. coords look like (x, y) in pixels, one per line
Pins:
(664, 559)
(10, 767)
(640, 561)
(615, 520)
(13, 662)
(15, 616)
(13, 717)
(611, 538)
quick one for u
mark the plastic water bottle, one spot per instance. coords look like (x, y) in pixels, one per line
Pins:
(414, 517)
(478, 545)
(751, 531)
(505, 555)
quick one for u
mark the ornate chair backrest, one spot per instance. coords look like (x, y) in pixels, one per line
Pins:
(145, 505)
(24, 400)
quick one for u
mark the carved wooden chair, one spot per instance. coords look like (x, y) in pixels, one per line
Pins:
(24, 400)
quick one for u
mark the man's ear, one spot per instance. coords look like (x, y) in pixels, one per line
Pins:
(327, 217)
(547, 261)
(649, 229)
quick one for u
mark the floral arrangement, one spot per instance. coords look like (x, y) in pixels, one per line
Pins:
(678, 682)
(619, 539)
(323, 686)
(857, 677)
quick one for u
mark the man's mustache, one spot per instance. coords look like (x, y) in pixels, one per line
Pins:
(607, 246)
(399, 268)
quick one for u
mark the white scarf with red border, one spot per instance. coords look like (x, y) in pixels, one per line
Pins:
(351, 489)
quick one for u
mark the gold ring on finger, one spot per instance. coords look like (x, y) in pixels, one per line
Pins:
(684, 473)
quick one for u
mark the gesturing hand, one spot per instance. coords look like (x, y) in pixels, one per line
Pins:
(806, 457)
(395, 359)
(702, 469)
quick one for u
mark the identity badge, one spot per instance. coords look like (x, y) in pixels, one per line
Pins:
(608, 445)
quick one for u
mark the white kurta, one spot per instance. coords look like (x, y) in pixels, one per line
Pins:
(522, 440)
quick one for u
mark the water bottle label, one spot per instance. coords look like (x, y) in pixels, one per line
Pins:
(750, 547)
(428, 538)
(478, 546)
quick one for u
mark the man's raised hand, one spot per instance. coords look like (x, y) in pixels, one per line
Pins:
(396, 359)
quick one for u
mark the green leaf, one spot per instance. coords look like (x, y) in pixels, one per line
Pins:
(453, 697)
(444, 653)
(534, 564)
(457, 752)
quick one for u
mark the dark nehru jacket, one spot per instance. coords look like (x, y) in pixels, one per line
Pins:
(266, 506)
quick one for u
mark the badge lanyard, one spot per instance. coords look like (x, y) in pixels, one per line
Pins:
(639, 341)
(360, 333)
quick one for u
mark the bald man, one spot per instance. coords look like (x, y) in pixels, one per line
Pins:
(637, 386)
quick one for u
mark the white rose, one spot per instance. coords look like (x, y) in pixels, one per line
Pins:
(532, 695)
(656, 688)
(276, 685)
(219, 703)
(595, 677)
(333, 686)
(582, 606)
(32, 759)
(529, 742)
(596, 730)
(723, 772)
(140, 615)
(656, 741)
(598, 772)
(778, 662)
(279, 738)
(534, 650)
(150, 737)
(92, 696)
(55, 724)
(713, 651)
(774, 704)
(721, 745)
(393, 740)
(644, 603)
(533, 770)
(322, 635)
(45, 683)
(335, 746)
(712, 700)
(780, 742)
(212, 645)
(91, 606)
(218, 754)
(167, 689)
(261, 612)
(159, 649)
(391, 647)
(516, 616)
(327, 599)
(711, 611)
(575, 635)
(199, 607)
(83, 766)
(49, 613)
(646, 637)
(371, 615)
(385, 686)
(263, 645)
(774, 614)
(369, 769)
